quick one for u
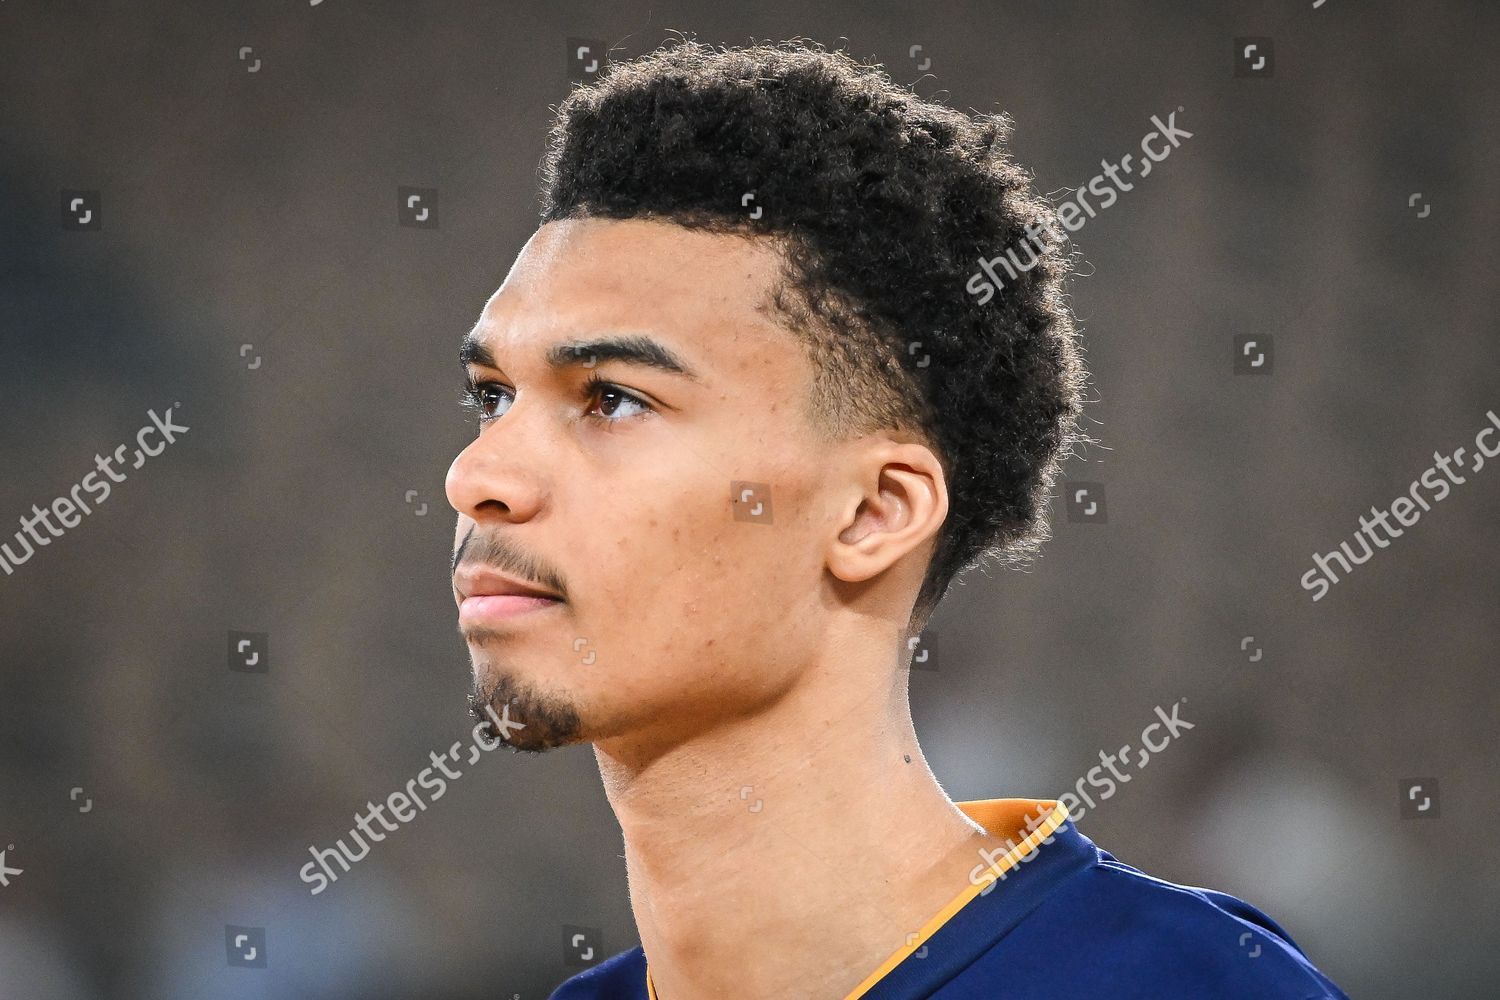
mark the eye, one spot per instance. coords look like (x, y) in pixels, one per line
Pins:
(611, 400)
(484, 398)
(490, 400)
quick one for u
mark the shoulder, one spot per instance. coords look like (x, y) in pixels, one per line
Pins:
(1118, 932)
(620, 977)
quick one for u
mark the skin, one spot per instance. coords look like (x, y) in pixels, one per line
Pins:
(729, 655)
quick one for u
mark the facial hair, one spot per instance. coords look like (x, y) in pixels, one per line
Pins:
(545, 721)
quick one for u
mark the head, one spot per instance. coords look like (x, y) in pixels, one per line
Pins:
(737, 401)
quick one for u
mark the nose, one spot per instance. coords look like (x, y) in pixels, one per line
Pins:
(490, 480)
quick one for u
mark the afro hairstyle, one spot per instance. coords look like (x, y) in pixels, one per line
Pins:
(881, 204)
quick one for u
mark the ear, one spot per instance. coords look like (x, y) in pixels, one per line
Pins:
(898, 502)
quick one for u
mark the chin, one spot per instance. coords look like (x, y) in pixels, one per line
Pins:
(530, 719)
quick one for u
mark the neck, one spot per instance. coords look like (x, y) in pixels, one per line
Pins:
(812, 833)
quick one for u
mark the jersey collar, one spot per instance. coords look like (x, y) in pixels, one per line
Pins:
(1043, 849)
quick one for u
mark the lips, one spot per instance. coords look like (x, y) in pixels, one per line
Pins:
(489, 595)
(495, 607)
(477, 581)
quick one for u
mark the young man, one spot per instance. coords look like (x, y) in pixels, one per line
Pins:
(740, 425)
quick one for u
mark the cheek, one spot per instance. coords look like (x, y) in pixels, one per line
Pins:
(674, 583)
(688, 579)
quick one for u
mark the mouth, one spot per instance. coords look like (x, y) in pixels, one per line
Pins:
(480, 608)
(487, 596)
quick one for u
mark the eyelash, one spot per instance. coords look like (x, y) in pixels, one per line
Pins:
(592, 386)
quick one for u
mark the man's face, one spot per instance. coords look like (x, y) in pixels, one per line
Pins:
(676, 615)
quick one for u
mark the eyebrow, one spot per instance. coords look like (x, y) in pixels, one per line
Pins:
(632, 349)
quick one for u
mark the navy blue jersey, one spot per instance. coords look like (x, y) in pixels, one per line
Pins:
(1055, 916)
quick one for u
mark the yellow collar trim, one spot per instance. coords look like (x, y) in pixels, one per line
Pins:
(1006, 814)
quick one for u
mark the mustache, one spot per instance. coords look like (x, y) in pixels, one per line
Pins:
(498, 553)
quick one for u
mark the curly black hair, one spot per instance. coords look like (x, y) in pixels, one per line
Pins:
(882, 205)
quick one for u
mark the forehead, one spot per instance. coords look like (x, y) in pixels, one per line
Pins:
(704, 296)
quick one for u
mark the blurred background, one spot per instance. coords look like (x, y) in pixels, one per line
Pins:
(244, 252)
